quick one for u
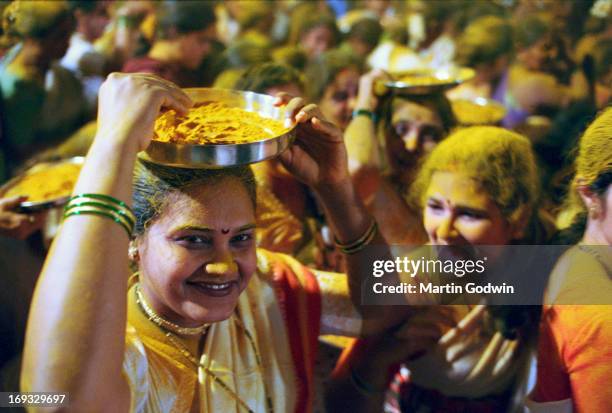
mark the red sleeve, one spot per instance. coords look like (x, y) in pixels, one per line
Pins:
(298, 293)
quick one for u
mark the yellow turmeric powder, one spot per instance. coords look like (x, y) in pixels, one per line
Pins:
(46, 183)
(215, 123)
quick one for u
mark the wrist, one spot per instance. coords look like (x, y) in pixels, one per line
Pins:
(108, 142)
(366, 114)
(365, 103)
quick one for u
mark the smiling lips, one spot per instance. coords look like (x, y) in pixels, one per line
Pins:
(213, 289)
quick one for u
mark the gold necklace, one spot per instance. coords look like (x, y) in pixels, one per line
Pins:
(162, 322)
(193, 360)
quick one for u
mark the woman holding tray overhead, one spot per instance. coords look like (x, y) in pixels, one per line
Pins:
(477, 189)
(213, 325)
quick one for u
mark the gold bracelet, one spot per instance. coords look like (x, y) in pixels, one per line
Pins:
(360, 243)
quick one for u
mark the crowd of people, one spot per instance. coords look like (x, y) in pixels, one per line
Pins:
(242, 288)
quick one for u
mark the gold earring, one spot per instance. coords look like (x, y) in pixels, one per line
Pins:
(133, 253)
(594, 211)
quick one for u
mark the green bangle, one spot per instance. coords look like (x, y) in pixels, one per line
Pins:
(126, 213)
(101, 213)
(365, 112)
(102, 197)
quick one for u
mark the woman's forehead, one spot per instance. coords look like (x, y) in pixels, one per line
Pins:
(408, 110)
(225, 203)
(457, 187)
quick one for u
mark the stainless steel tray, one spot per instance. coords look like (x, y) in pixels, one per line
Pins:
(424, 82)
(32, 207)
(223, 155)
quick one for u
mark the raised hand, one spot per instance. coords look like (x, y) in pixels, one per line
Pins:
(318, 156)
(366, 98)
(14, 224)
(130, 103)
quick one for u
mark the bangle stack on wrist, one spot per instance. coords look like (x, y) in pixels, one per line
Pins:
(102, 205)
(360, 243)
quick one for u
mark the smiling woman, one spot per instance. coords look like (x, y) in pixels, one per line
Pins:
(208, 217)
(477, 187)
(209, 323)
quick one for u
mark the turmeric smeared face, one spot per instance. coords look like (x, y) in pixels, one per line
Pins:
(415, 131)
(338, 100)
(459, 212)
(198, 256)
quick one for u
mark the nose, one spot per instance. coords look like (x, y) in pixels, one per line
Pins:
(446, 229)
(352, 102)
(411, 140)
(222, 264)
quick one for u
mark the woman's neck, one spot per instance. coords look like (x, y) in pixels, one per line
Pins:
(593, 234)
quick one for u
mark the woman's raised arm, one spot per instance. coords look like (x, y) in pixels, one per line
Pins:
(319, 159)
(76, 328)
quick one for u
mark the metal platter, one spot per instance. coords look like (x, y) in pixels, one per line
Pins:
(478, 111)
(224, 155)
(37, 206)
(425, 82)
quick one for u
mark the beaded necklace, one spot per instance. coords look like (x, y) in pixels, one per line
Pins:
(162, 322)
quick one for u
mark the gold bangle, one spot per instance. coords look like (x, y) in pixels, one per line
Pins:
(360, 243)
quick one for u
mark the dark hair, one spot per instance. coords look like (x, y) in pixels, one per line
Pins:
(179, 17)
(484, 40)
(153, 185)
(322, 71)
(35, 20)
(243, 53)
(259, 78)
(306, 18)
(602, 53)
(366, 30)
(291, 56)
(529, 30)
(87, 6)
(572, 234)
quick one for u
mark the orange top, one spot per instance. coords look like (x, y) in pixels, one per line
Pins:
(575, 351)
